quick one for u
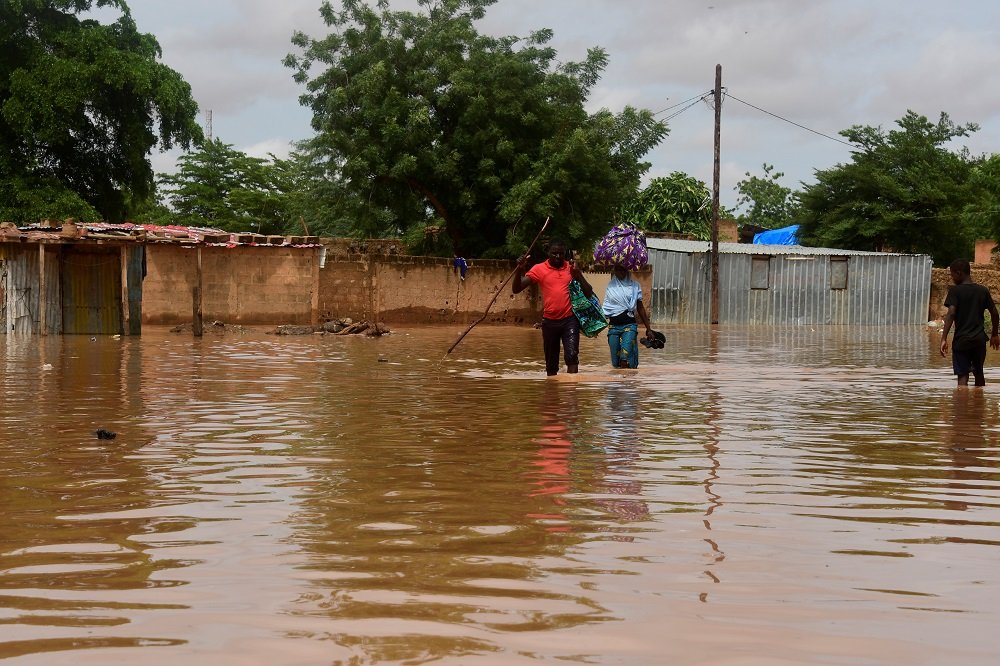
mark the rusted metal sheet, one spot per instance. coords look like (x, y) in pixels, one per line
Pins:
(52, 298)
(21, 291)
(3, 291)
(789, 288)
(21, 286)
(91, 290)
(135, 260)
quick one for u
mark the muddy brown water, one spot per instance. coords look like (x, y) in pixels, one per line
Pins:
(748, 496)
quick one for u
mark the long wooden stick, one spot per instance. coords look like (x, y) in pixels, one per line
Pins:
(499, 291)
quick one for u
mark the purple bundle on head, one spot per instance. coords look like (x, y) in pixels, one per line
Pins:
(625, 244)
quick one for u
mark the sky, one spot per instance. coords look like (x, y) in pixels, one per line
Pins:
(810, 67)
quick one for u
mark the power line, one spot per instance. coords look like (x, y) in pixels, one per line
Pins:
(690, 103)
(680, 111)
(696, 97)
(790, 122)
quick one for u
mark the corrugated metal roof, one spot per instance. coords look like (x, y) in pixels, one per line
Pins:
(83, 232)
(676, 245)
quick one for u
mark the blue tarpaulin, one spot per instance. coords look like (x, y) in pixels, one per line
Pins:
(783, 236)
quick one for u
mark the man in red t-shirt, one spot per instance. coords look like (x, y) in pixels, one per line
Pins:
(559, 324)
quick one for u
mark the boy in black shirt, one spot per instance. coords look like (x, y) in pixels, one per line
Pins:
(966, 302)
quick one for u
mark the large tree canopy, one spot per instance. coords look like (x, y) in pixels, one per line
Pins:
(428, 123)
(904, 191)
(219, 186)
(678, 203)
(81, 105)
(982, 213)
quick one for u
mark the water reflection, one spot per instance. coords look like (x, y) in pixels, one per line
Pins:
(713, 422)
(550, 475)
(465, 524)
(75, 506)
(807, 495)
(624, 444)
(972, 446)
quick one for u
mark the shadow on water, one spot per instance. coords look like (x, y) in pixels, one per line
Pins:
(802, 495)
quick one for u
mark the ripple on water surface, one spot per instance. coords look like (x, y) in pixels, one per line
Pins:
(807, 495)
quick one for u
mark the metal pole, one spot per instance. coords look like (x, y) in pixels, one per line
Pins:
(715, 196)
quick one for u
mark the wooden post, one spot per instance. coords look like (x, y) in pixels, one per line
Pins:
(372, 285)
(126, 315)
(196, 323)
(373, 273)
(314, 301)
(43, 310)
(715, 196)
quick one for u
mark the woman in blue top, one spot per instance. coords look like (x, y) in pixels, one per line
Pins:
(622, 304)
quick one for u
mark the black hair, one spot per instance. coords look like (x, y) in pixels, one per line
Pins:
(961, 266)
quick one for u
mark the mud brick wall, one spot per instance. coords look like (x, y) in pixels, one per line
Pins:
(986, 252)
(307, 285)
(286, 285)
(241, 285)
(426, 290)
(345, 289)
(988, 275)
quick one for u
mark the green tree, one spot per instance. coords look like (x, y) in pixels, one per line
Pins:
(218, 186)
(677, 203)
(903, 191)
(426, 122)
(769, 204)
(81, 105)
(982, 213)
(317, 197)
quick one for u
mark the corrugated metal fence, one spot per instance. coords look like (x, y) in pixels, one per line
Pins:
(83, 289)
(21, 286)
(792, 289)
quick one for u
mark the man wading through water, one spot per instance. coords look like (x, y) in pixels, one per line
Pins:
(559, 324)
(966, 302)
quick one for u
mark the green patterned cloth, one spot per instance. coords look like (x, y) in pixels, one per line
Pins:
(587, 311)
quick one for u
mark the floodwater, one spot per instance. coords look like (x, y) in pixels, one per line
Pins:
(748, 496)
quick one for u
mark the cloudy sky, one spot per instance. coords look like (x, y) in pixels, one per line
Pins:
(823, 65)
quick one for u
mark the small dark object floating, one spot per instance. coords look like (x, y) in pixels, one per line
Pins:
(105, 434)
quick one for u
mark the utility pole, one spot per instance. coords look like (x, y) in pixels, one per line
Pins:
(715, 196)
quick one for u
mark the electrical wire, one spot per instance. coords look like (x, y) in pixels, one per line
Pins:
(674, 106)
(791, 122)
(694, 103)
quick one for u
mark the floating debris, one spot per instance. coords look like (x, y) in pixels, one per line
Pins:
(335, 327)
(215, 327)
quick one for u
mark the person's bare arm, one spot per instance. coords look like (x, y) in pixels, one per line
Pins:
(577, 274)
(640, 310)
(520, 281)
(949, 319)
(995, 323)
